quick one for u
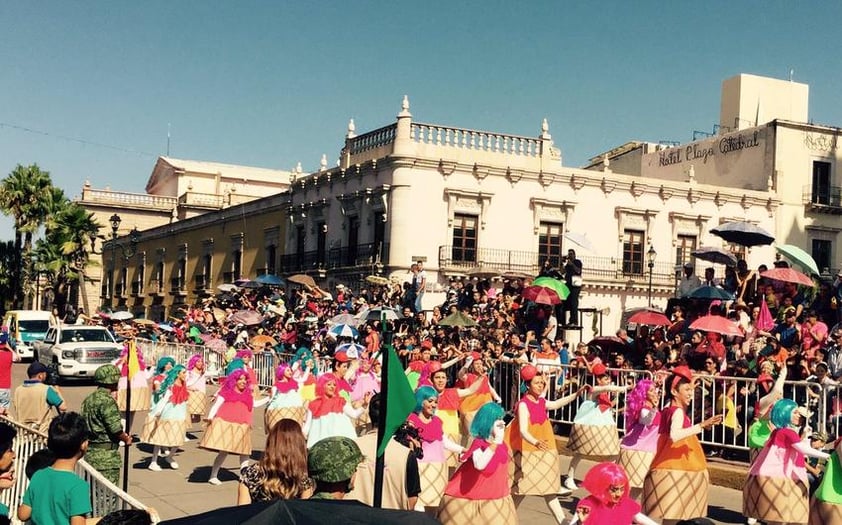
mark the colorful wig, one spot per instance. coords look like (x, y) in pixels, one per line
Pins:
(602, 476)
(229, 388)
(781, 415)
(195, 358)
(422, 394)
(162, 364)
(302, 355)
(635, 401)
(486, 416)
(322, 382)
(427, 371)
(244, 353)
(279, 372)
(172, 375)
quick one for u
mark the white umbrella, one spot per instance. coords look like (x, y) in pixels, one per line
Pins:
(580, 240)
(227, 287)
(122, 316)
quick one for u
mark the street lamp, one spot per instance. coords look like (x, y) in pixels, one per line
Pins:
(650, 257)
(128, 252)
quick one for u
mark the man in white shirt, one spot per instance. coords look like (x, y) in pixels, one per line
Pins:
(689, 281)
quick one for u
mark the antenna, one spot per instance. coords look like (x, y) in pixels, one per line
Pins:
(168, 138)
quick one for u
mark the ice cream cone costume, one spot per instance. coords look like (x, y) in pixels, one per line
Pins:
(637, 449)
(433, 466)
(777, 487)
(285, 402)
(230, 425)
(826, 505)
(677, 484)
(476, 495)
(166, 423)
(469, 405)
(594, 431)
(197, 398)
(329, 416)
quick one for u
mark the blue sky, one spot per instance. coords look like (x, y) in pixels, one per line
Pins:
(272, 83)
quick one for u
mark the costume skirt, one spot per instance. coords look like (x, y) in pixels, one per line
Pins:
(822, 512)
(272, 415)
(164, 432)
(226, 436)
(675, 494)
(197, 403)
(141, 398)
(636, 463)
(594, 440)
(776, 499)
(535, 473)
(433, 483)
(459, 511)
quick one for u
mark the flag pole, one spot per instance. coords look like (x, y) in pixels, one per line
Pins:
(131, 349)
(380, 461)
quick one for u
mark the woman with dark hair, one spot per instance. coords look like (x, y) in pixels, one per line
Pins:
(679, 467)
(282, 471)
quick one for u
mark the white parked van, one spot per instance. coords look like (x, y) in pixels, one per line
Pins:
(26, 327)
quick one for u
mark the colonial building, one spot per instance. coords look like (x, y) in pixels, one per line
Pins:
(177, 189)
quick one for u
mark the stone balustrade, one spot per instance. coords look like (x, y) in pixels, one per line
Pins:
(475, 140)
(373, 139)
(122, 198)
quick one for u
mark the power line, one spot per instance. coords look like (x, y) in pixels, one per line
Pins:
(77, 140)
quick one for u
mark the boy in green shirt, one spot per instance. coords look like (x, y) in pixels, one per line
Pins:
(56, 495)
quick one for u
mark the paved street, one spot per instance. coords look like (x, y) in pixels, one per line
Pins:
(177, 493)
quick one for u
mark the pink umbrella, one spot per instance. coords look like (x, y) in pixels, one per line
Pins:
(247, 317)
(716, 323)
(541, 295)
(217, 345)
(650, 318)
(788, 275)
(764, 318)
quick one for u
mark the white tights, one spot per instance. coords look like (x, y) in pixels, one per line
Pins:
(220, 459)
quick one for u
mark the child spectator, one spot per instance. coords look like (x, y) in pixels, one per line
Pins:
(7, 461)
(38, 461)
(56, 495)
(815, 470)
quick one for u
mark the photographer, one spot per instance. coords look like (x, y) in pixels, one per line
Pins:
(34, 400)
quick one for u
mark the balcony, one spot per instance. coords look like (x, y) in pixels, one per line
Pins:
(137, 289)
(347, 257)
(177, 286)
(120, 291)
(824, 200)
(202, 282)
(156, 287)
(229, 277)
(594, 269)
(103, 292)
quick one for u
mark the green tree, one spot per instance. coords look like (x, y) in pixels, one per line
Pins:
(23, 195)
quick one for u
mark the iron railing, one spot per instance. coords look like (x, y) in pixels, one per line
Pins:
(828, 198)
(461, 260)
(361, 255)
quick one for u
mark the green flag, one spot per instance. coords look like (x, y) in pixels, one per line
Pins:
(397, 399)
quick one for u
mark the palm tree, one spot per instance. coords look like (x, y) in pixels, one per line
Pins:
(23, 194)
(66, 248)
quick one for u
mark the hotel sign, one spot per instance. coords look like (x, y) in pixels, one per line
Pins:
(701, 152)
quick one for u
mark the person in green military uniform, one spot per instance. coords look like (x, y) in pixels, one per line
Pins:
(332, 463)
(105, 428)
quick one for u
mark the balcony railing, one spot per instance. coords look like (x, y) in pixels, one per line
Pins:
(177, 285)
(362, 255)
(119, 290)
(156, 286)
(202, 281)
(137, 289)
(460, 260)
(824, 200)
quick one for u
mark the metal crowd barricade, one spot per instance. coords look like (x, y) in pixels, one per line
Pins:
(105, 496)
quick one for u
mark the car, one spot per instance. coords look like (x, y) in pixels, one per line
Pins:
(77, 351)
(25, 328)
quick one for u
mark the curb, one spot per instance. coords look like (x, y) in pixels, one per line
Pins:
(728, 474)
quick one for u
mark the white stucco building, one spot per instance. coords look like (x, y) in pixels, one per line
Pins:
(462, 198)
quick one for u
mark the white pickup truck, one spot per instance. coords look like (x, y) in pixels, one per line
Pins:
(77, 351)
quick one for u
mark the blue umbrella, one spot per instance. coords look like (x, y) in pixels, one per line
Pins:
(344, 330)
(352, 350)
(270, 280)
(711, 292)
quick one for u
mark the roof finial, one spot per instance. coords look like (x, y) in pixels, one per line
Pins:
(298, 168)
(405, 107)
(545, 130)
(323, 162)
(351, 130)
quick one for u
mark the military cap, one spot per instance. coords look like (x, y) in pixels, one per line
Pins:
(107, 375)
(333, 459)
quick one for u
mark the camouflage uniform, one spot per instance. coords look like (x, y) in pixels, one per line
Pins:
(100, 412)
(333, 460)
